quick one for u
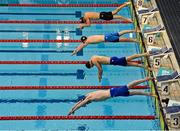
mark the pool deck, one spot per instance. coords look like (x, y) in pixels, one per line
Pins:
(168, 15)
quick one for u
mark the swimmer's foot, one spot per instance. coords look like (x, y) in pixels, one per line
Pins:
(149, 68)
(136, 40)
(128, 3)
(149, 78)
(133, 40)
(153, 95)
(138, 30)
(129, 20)
(148, 53)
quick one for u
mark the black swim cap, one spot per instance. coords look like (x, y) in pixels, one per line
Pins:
(82, 20)
(88, 65)
(83, 38)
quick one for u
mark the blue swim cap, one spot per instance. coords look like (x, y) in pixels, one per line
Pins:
(83, 38)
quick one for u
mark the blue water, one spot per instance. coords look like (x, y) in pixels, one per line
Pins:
(59, 102)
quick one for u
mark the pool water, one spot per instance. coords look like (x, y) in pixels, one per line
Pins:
(59, 102)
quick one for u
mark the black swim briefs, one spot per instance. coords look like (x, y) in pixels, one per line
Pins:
(106, 15)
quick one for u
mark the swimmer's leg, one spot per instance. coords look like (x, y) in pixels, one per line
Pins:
(141, 93)
(129, 58)
(122, 18)
(128, 40)
(136, 82)
(120, 7)
(130, 63)
(126, 32)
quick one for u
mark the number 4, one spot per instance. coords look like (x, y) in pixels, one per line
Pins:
(165, 89)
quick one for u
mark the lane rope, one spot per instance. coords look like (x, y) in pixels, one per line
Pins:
(61, 5)
(43, 62)
(43, 41)
(48, 62)
(78, 117)
(37, 41)
(60, 22)
(64, 87)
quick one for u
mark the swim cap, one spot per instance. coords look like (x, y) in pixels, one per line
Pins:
(83, 38)
(88, 65)
(82, 20)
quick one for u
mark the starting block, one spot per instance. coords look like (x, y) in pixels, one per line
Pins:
(174, 76)
(143, 11)
(156, 29)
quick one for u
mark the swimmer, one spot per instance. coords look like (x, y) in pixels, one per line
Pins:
(98, 61)
(102, 15)
(109, 37)
(101, 95)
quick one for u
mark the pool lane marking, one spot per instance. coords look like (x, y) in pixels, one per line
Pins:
(36, 51)
(80, 53)
(77, 14)
(77, 31)
(79, 74)
(42, 82)
(61, 101)
(37, 74)
(41, 108)
(44, 67)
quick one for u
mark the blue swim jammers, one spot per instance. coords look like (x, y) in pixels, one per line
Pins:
(119, 91)
(118, 61)
(112, 37)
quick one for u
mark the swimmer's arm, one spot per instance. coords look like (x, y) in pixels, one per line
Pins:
(78, 105)
(88, 23)
(100, 71)
(80, 47)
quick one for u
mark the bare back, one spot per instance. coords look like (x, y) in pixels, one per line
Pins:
(100, 59)
(95, 39)
(91, 15)
(99, 95)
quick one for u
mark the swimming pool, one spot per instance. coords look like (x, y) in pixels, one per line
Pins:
(59, 102)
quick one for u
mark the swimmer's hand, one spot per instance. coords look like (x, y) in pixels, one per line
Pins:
(129, 20)
(81, 26)
(153, 95)
(74, 52)
(149, 78)
(71, 113)
(99, 77)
